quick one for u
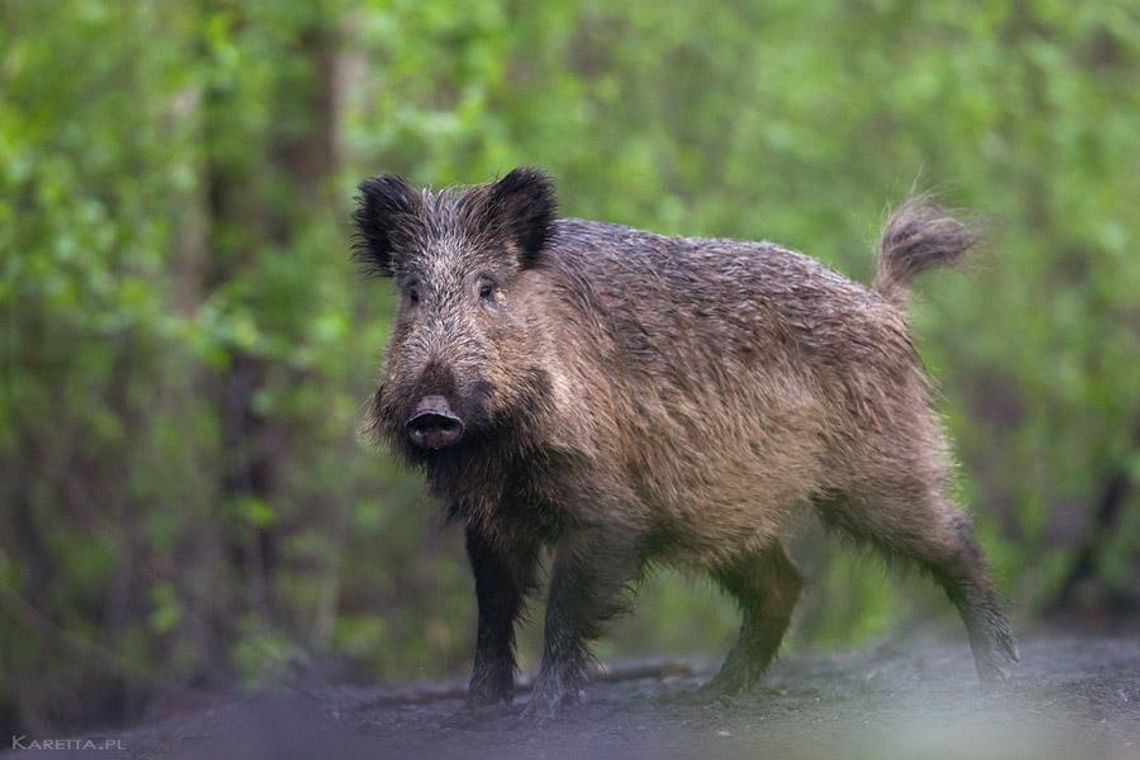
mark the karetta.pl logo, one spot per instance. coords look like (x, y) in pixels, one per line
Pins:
(56, 745)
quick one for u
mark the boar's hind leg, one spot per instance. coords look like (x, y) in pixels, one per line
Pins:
(592, 569)
(504, 574)
(936, 535)
(960, 568)
(767, 586)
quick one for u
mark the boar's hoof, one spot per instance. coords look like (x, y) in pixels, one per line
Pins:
(995, 669)
(719, 688)
(545, 705)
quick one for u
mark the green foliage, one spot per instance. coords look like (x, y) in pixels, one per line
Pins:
(186, 348)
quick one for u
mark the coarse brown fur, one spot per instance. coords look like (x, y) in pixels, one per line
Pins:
(628, 397)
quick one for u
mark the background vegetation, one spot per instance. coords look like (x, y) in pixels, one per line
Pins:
(185, 346)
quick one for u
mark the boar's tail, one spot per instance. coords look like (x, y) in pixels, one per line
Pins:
(918, 236)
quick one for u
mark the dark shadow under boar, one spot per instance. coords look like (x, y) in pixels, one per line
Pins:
(627, 398)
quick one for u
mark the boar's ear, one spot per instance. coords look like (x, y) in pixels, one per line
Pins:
(386, 211)
(523, 205)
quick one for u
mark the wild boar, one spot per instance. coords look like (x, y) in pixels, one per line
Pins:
(627, 398)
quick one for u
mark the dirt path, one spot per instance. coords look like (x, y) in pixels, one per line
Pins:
(1072, 698)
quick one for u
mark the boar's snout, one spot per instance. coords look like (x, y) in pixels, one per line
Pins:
(433, 425)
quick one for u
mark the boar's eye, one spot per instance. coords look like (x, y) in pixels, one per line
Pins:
(414, 293)
(487, 287)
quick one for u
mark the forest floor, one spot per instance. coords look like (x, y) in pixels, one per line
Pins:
(1072, 697)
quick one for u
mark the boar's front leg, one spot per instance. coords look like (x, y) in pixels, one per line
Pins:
(504, 572)
(592, 569)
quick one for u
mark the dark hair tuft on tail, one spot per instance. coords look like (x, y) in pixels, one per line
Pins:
(918, 236)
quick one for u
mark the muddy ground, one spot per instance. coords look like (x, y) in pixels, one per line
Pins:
(1072, 697)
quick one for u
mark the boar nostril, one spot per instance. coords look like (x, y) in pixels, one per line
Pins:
(434, 431)
(433, 425)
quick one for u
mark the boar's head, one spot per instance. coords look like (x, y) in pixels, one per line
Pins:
(459, 365)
